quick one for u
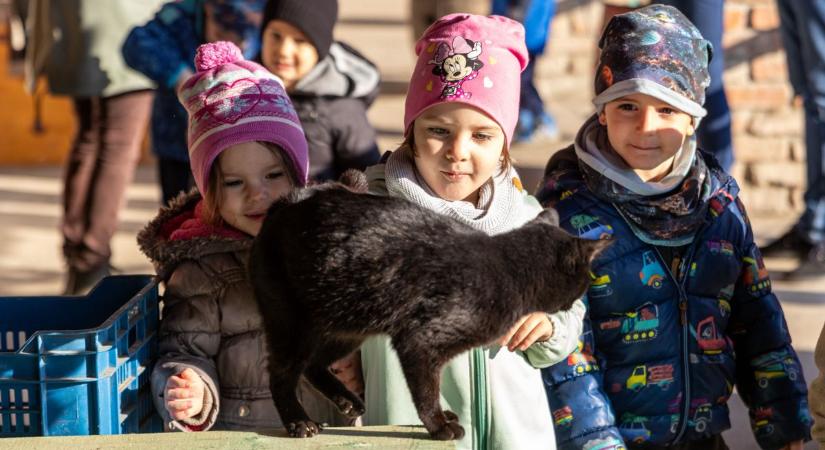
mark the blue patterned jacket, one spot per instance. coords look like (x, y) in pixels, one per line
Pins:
(664, 343)
(162, 49)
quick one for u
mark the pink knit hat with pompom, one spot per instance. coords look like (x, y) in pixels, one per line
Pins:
(470, 59)
(231, 101)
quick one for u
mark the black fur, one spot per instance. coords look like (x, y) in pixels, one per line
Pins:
(331, 267)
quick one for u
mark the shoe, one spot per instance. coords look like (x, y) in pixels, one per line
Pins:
(525, 126)
(532, 129)
(80, 282)
(790, 244)
(547, 128)
(813, 265)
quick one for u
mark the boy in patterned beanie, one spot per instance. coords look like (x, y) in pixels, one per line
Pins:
(680, 309)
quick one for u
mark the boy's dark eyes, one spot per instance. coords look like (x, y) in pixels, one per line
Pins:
(627, 107)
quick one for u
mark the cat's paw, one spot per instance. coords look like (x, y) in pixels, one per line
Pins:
(349, 407)
(451, 416)
(450, 430)
(303, 429)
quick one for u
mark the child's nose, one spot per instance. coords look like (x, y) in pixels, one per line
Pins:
(649, 120)
(257, 191)
(459, 148)
(287, 46)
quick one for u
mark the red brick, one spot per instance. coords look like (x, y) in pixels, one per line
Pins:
(766, 200)
(777, 174)
(763, 97)
(736, 17)
(750, 149)
(764, 18)
(798, 151)
(769, 67)
(784, 122)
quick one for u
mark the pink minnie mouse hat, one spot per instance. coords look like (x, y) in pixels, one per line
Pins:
(230, 101)
(470, 59)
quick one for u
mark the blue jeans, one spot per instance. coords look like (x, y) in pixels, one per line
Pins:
(714, 132)
(803, 33)
(536, 16)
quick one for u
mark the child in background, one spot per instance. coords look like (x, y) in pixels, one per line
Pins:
(460, 115)
(330, 84)
(163, 49)
(247, 149)
(680, 310)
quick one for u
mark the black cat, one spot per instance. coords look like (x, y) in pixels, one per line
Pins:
(331, 267)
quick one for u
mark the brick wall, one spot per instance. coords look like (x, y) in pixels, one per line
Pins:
(767, 124)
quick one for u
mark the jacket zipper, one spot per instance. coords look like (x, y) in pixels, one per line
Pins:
(479, 400)
(680, 282)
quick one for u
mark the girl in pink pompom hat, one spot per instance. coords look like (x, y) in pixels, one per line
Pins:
(247, 149)
(460, 113)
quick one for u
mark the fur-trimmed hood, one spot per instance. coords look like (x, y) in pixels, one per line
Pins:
(166, 244)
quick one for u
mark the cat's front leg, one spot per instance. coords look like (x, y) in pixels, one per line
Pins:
(422, 372)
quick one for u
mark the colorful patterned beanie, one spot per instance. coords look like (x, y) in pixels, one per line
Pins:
(231, 101)
(656, 51)
(469, 59)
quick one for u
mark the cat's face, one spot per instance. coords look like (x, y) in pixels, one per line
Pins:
(571, 257)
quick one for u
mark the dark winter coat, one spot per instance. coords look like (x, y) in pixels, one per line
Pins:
(332, 102)
(211, 323)
(665, 342)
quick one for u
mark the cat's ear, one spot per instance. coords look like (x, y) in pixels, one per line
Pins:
(355, 180)
(593, 248)
(549, 215)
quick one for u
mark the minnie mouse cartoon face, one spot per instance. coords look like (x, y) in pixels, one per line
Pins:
(455, 65)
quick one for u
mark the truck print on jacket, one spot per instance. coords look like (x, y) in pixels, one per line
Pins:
(670, 341)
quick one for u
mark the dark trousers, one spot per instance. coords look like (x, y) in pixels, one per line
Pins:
(175, 177)
(100, 166)
(803, 33)
(714, 133)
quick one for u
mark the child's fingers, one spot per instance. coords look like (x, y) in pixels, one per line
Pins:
(189, 374)
(522, 332)
(531, 338)
(505, 340)
(178, 405)
(178, 393)
(176, 382)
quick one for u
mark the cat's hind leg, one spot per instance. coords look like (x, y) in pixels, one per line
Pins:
(422, 369)
(318, 373)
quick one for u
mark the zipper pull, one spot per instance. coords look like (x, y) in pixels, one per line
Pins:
(683, 313)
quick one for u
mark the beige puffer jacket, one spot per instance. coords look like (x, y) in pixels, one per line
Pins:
(210, 323)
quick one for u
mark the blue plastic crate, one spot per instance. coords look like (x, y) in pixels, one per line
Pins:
(88, 376)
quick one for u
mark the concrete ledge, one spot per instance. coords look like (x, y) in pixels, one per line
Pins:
(383, 438)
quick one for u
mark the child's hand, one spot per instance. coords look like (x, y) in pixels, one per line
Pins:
(795, 445)
(348, 370)
(535, 327)
(184, 394)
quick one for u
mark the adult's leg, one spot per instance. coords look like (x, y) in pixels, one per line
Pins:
(811, 26)
(714, 131)
(802, 25)
(78, 174)
(803, 34)
(121, 126)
